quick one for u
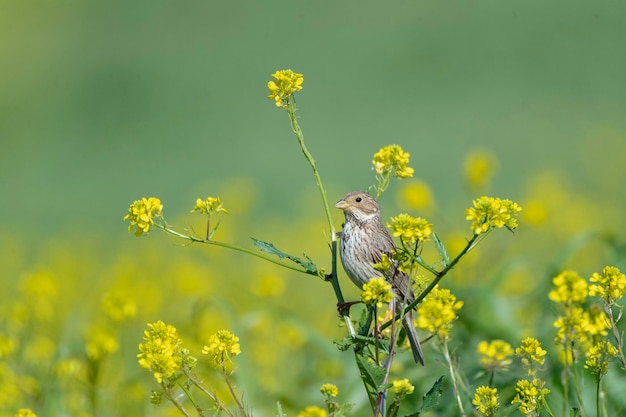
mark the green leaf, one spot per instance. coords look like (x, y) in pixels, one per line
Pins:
(445, 257)
(431, 398)
(344, 344)
(306, 263)
(358, 342)
(343, 409)
(214, 229)
(371, 373)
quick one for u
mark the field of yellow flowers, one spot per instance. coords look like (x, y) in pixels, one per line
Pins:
(168, 236)
(526, 323)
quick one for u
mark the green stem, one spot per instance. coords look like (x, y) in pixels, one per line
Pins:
(291, 111)
(168, 392)
(546, 406)
(382, 184)
(455, 385)
(233, 247)
(194, 380)
(598, 379)
(565, 381)
(438, 275)
(191, 398)
(93, 371)
(616, 335)
(578, 389)
(333, 278)
(242, 410)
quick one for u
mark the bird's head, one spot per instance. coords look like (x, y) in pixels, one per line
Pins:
(359, 205)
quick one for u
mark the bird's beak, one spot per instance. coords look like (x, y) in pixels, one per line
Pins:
(342, 205)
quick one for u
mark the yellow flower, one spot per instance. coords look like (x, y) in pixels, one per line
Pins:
(71, 369)
(437, 312)
(410, 229)
(284, 85)
(7, 345)
(598, 357)
(377, 291)
(209, 206)
(329, 390)
(595, 323)
(570, 327)
(161, 353)
(486, 400)
(41, 291)
(99, 343)
(416, 195)
(141, 214)
(569, 288)
(312, 411)
(490, 212)
(402, 387)
(392, 160)
(385, 265)
(610, 285)
(530, 396)
(269, 286)
(535, 212)
(119, 305)
(495, 355)
(480, 165)
(531, 354)
(25, 412)
(222, 345)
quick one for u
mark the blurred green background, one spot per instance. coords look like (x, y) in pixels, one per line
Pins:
(105, 102)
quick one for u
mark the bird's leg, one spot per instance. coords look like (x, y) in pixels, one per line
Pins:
(377, 330)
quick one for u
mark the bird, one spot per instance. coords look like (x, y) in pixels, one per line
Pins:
(364, 240)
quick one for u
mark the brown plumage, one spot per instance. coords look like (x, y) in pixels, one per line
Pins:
(364, 239)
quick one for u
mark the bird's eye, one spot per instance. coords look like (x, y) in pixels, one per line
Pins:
(358, 199)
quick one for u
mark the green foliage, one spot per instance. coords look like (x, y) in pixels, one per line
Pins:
(306, 263)
(432, 396)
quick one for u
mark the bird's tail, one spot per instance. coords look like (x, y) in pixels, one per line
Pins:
(409, 329)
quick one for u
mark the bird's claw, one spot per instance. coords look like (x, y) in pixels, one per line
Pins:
(345, 306)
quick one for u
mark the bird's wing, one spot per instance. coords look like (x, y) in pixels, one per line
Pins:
(399, 280)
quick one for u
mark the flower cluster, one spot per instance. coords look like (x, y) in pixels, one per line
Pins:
(486, 400)
(392, 160)
(377, 291)
(119, 305)
(531, 354)
(100, 343)
(410, 229)
(480, 166)
(490, 212)
(610, 286)
(530, 396)
(329, 390)
(312, 411)
(576, 324)
(284, 85)
(569, 288)
(209, 206)
(402, 387)
(25, 412)
(141, 214)
(437, 312)
(161, 353)
(598, 357)
(222, 345)
(495, 354)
